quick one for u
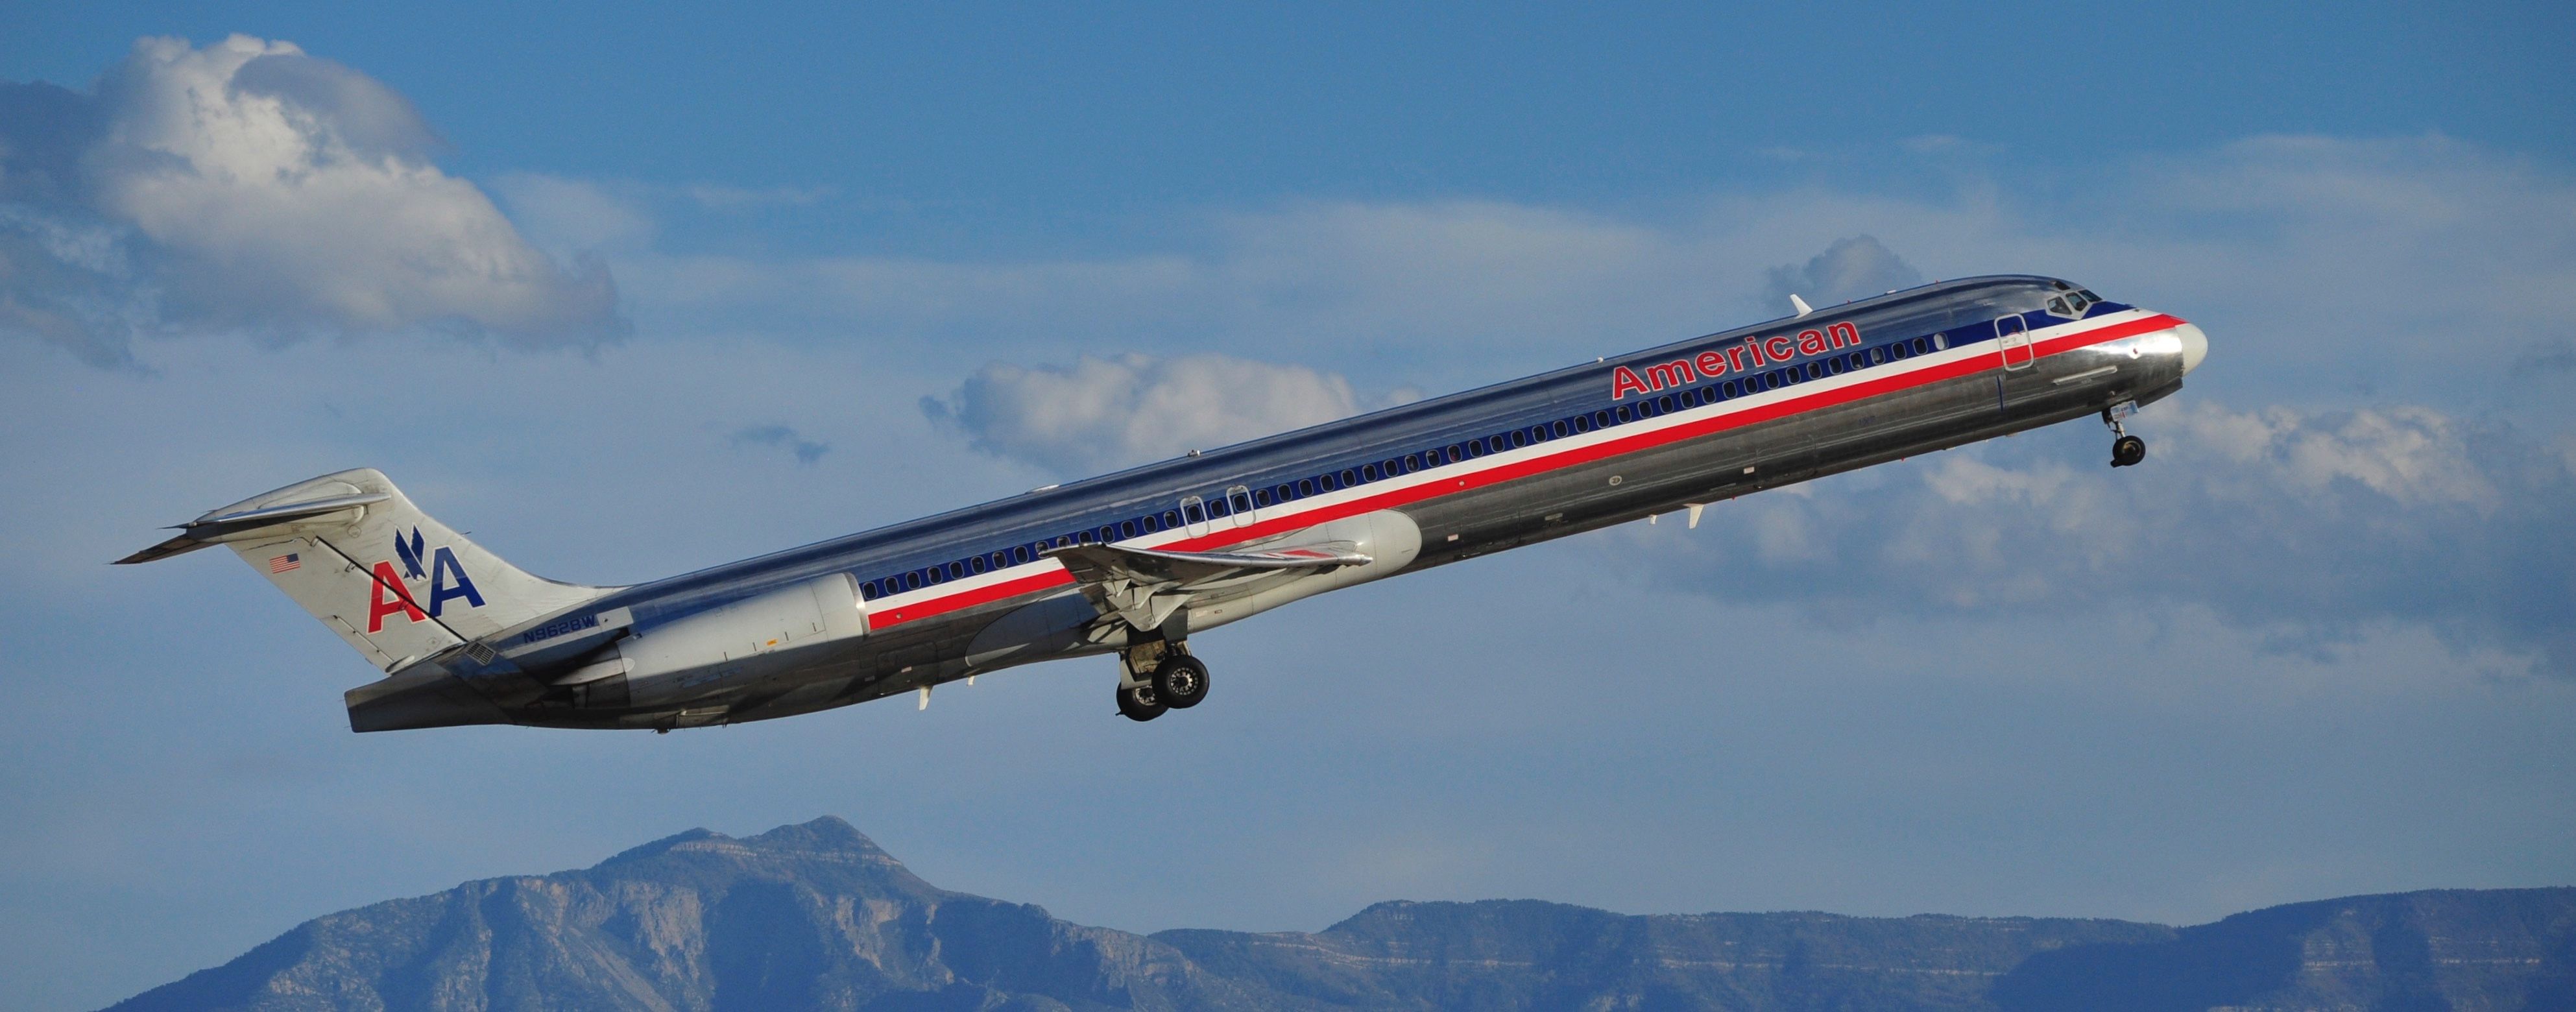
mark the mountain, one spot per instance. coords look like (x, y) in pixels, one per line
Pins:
(816, 916)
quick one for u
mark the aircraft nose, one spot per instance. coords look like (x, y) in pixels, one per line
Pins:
(2195, 346)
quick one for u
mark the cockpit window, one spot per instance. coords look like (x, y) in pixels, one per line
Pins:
(2058, 306)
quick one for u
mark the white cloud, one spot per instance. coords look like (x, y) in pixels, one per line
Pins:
(1853, 268)
(575, 214)
(2308, 525)
(1101, 413)
(2418, 269)
(248, 186)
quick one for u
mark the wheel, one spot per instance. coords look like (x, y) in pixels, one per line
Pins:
(2127, 451)
(1181, 681)
(1140, 703)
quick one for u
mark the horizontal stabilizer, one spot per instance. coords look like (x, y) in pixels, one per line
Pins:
(218, 525)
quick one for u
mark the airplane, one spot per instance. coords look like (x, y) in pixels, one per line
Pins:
(1135, 563)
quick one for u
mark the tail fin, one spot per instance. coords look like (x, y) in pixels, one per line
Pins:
(392, 582)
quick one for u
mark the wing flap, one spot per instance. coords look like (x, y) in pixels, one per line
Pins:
(1143, 587)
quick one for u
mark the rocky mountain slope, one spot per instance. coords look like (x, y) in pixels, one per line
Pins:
(815, 916)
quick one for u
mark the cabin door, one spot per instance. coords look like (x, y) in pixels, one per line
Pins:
(2012, 338)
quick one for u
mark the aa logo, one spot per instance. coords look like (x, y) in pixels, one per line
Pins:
(392, 594)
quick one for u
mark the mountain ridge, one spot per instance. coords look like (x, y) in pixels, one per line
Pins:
(816, 915)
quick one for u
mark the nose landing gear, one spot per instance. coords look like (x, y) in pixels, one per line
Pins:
(1158, 676)
(2126, 450)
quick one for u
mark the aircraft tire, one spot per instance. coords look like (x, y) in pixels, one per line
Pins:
(2127, 451)
(1140, 703)
(1180, 681)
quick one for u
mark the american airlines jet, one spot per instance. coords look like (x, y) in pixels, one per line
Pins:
(1133, 564)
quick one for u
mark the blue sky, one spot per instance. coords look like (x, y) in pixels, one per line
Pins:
(740, 281)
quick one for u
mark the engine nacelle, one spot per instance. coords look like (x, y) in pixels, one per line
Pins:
(683, 660)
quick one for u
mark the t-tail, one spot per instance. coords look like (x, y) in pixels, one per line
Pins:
(393, 583)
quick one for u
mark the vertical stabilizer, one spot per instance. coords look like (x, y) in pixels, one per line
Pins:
(389, 580)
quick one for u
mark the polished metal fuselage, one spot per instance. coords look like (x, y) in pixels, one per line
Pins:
(1676, 447)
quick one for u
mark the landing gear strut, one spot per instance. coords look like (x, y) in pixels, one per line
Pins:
(2126, 450)
(1159, 675)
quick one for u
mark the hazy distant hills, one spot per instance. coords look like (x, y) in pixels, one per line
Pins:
(817, 917)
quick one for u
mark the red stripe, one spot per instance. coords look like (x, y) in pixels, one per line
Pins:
(981, 595)
(1604, 450)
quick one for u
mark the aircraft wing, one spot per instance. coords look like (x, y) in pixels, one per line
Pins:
(1144, 586)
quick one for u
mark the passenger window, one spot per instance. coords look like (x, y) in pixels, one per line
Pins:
(1664, 404)
(1305, 487)
(1152, 523)
(1325, 482)
(1624, 414)
(975, 564)
(1368, 472)
(1601, 419)
(1519, 439)
(1583, 423)
(1412, 462)
(867, 590)
(1108, 533)
(1834, 366)
(1456, 453)
(1350, 477)
(936, 577)
(912, 580)
(1020, 555)
(1171, 519)
(1940, 342)
(1194, 514)
(1561, 429)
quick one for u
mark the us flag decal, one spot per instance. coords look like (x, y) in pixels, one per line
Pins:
(282, 563)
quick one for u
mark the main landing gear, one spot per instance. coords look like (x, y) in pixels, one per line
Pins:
(1159, 675)
(2126, 450)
